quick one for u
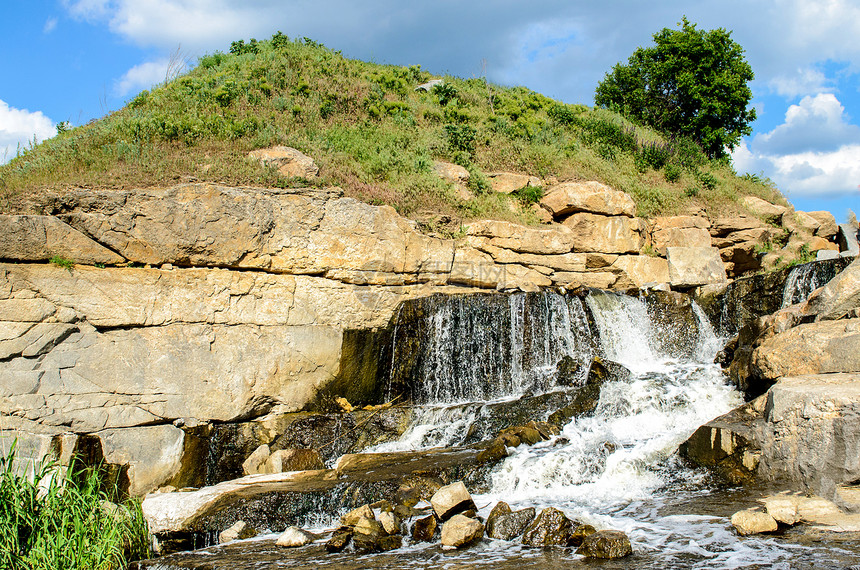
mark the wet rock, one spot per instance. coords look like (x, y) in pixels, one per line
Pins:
(501, 509)
(424, 529)
(580, 533)
(238, 531)
(390, 522)
(550, 528)
(451, 499)
(285, 460)
(339, 540)
(294, 537)
(510, 525)
(514, 436)
(354, 516)
(752, 521)
(568, 371)
(607, 544)
(367, 534)
(390, 542)
(495, 451)
(839, 296)
(602, 370)
(461, 530)
(783, 509)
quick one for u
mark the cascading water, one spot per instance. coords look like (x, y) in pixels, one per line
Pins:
(803, 279)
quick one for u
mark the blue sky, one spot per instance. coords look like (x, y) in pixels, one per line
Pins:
(75, 60)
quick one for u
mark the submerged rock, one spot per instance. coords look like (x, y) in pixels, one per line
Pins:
(294, 537)
(424, 529)
(238, 531)
(339, 539)
(461, 530)
(608, 544)
(511, 525)
(752, 521)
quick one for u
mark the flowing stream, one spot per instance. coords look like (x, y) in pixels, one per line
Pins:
(613, 469)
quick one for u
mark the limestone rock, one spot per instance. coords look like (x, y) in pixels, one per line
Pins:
(367, 534)
(751, 521)
(450, 172)
(339, 540)
(847, 239)
(596, 279)
(813, 348)
(724, 226)
(239, 531)
(607, 544)
(783, 509)
(256, 462)
(640, 270)
(451, 500)
(819, 243)
(154, 455)
(389, 522)
(352, 517)
(543, 241)
(770, 212)
(293, 460)
(570, 197)
(294, 537)
(800, 221)
(288, 161)
(508, 182)
(691, 266)
(424, 529)
(605, 234)
(839, 296)
(473, 267)
(460, 530)
(39, 238)
(680, 237)
(827, 227)
(511, 525)
(550, 528)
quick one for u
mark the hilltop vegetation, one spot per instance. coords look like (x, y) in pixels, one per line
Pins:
(372, 134)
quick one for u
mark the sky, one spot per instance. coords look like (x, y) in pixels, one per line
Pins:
(76, 60)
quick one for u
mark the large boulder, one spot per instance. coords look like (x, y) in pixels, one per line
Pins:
(770, 212)
(605, 234)
(550, 528)
(839, 297)
(570, 197)
(752, 521)
(693, 266)
(508, 182)
(511, 525)
(827, 227)
(679, 231)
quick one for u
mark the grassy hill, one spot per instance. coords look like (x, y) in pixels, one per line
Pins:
(371, 133)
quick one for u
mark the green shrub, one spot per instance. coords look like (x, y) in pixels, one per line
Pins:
(672, 172)
(461, 138)
(61, 261)
(49, 524)
(445, 92)
(529, 195)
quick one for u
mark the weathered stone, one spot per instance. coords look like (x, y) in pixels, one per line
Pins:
(339, 540)
(838, 297)
(154, 455)
(352, 517)
(797, 221)
(40, 238)
(813, 348)
(293, 460)
(640, 270)
(607, 544)
(770, 212)
(691, 266)
(550, 528)
(752, 521)
(724, 226)
(847, 239)
(256, 462)
(544, 241)
(511, 525)
(389, 522)
(827, 227)
(508, 182)
(288, 161)
(451, 500)
(819, 243)
(460, 530)
(450, 172)
(680, 237)
(367, 534)
(606, 234)
(501, 508)
(596, 279)
(580, 533)
(473, 267)
(570, 197)
(783, 509)
(238, 531)
(424, 529)
(294, 537)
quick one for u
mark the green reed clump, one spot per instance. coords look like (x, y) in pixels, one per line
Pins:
(50, 522)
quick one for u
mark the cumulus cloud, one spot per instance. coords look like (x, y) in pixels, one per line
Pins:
(142, 76)
(816, 151)
(18, 127)
(815, 124)
(804, 82)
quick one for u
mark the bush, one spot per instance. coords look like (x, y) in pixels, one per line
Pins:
(46, 524)
(461, 138)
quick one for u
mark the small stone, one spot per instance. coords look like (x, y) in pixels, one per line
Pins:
(550, 528)
(501, 509)
(367, 534)
(461, 530)
(294, 537)
(424, 529)
(751, 521)
(451, 500)
(580, 533)
(256, 462)
(339, 540)
(389, 522)
(352, 517)
(238, 531)
(782, 509)
(608, 544)
(511, 525)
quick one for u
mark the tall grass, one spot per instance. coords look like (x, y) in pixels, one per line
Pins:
(49, 522)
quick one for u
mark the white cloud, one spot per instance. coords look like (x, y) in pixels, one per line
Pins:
(804, 82)
(815, 124)
(50, 25)
(18, 127)
(142, 76)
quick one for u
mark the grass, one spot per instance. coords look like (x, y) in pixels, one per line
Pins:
(46, 524)
(372, 134)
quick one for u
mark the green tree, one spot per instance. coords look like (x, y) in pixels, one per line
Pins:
(692, 83)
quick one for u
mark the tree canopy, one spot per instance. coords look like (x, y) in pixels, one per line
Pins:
(691, 83)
